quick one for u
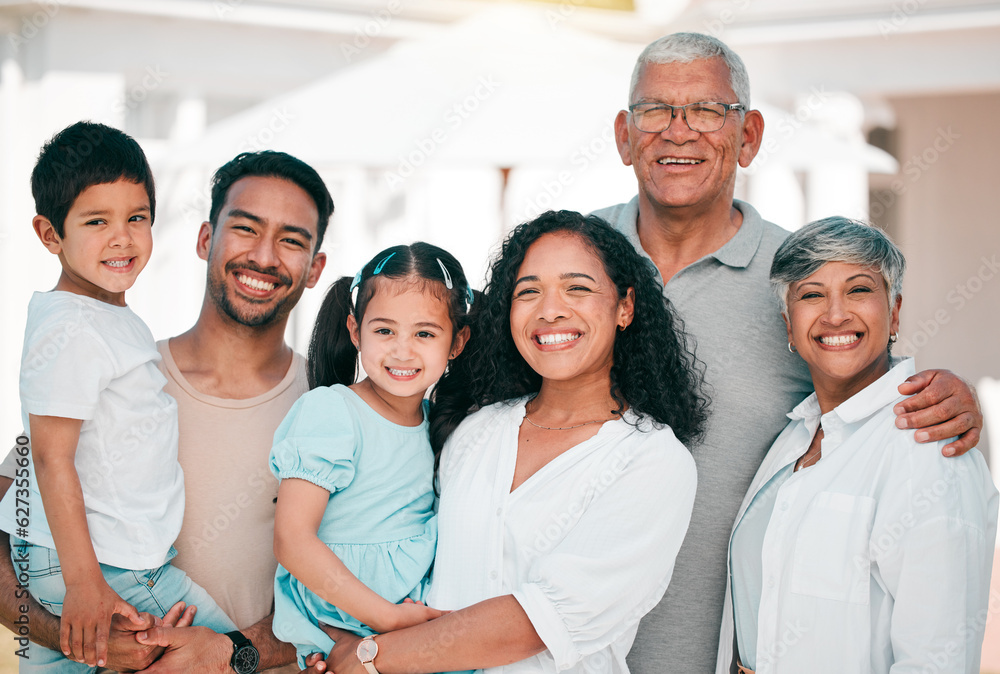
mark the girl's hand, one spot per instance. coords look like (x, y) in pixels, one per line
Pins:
(86, 621)
(407, 614)
(314, 664)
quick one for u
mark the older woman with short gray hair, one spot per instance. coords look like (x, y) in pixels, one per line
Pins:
(856, 549)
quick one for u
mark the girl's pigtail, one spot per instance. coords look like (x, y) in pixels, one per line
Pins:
(453, 394)
(333, 358)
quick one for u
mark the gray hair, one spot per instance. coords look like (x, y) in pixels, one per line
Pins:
(688, 47)
(836, 239)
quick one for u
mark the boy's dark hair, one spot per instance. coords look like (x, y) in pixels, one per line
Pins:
(271, 164)
(82, 155)
(333, 358)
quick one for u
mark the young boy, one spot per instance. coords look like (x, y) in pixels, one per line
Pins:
(102, 486)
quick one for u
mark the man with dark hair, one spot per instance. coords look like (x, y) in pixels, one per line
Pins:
(269, 163)
(234, 378)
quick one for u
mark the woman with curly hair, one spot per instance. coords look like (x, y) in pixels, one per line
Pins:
(565, 489)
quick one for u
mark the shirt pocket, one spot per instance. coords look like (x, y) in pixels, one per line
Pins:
(831, 557)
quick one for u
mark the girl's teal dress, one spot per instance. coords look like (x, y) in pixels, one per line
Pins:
(380, 518)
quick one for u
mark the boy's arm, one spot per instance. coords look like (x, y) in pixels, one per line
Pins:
(89, 602)
(29, 620)
(19, 612)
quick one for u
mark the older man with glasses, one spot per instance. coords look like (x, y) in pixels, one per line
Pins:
(688, 126)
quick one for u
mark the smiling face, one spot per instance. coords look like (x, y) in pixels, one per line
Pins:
(839, 319)
(566, 311)
(406, 337)
(107, 240)
(680, 168)
(261, 252)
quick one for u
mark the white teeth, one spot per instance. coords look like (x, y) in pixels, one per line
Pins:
(117, 263)
(401, 373)
(673, 160)
(254, 283)
(558, 338)
(839, 340)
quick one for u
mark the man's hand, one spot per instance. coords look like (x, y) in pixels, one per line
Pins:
(125, 654)
(86, 621)
(188, 649)
(944, 405)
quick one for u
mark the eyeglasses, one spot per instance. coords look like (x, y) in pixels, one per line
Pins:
(703, 117)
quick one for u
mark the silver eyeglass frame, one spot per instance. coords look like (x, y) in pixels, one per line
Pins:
(727, 108)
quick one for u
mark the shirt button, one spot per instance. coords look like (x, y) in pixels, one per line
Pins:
(151, 583)
(499, 512)
(493, 575)
(770, 582)
(784, 506)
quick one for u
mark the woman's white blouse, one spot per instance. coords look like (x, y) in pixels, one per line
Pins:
(878, 557)
(586, 545)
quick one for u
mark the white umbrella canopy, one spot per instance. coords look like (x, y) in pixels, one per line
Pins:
(805, 139)
(508, 87)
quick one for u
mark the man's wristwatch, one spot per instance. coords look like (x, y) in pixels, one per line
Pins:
(367, 650)
(245, 657)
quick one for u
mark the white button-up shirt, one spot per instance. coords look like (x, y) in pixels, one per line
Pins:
(586, 545)
(875, 559)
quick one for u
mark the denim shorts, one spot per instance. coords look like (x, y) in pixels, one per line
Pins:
(150, 590)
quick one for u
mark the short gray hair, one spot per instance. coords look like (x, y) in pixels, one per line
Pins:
(836, 239)
(688, 47)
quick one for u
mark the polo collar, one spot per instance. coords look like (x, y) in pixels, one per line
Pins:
(738, 252)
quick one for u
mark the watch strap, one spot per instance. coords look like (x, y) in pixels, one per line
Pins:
(241, 642)
(369, 665)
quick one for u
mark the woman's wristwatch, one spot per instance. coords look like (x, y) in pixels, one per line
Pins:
(367, 650)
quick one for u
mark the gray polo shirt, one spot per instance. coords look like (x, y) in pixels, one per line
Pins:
(753, 381)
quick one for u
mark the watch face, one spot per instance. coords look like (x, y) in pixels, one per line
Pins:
(367, 650)
(245, 660)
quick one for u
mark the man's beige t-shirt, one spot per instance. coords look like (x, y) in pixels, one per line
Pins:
(226, 543)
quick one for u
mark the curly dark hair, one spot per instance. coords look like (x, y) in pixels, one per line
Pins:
(653, 371)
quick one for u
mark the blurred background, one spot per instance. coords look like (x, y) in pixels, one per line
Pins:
(452, 120)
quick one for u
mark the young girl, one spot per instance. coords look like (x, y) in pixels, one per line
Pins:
(355, 532)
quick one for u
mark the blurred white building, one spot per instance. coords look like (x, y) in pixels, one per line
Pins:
(451, 120)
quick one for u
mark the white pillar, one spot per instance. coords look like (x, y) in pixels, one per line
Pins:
(775, 192)
(190, 119)
(838, 185)
(13, 186)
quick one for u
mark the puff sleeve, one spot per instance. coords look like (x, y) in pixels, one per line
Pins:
(317, 441)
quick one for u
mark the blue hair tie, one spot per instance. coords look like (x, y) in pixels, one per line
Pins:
(381, 264)
(469, 298)
(354, 287)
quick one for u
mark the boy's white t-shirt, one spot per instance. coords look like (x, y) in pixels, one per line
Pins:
(86, 359)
